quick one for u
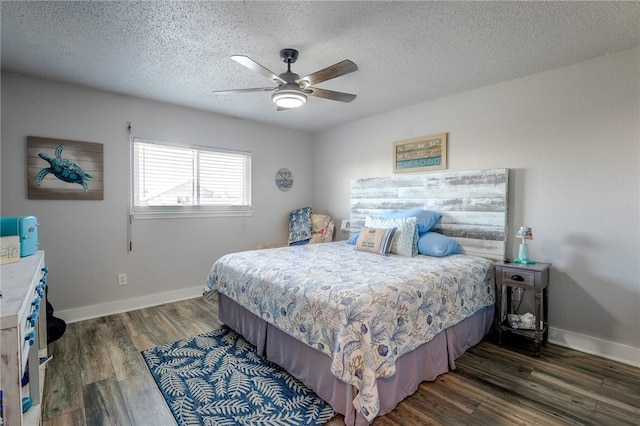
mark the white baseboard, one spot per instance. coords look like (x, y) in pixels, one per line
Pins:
(110, 308)
(594, 346)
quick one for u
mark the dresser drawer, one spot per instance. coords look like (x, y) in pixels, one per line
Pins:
(515, 277)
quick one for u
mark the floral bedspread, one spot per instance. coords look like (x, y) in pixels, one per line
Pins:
(362, 309)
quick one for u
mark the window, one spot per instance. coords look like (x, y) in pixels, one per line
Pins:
(172, 180)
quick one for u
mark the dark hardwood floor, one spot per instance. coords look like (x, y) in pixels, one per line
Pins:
(98, 377)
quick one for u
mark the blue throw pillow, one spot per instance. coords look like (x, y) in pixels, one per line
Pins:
(425, 218)
(353, 239)
(436, 244)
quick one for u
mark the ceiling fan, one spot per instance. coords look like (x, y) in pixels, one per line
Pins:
(292, 90)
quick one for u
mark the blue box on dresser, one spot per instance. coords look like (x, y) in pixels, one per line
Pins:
(25, 227)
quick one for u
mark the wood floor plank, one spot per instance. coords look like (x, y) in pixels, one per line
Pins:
(163, 330)
(138, 330)
(502, 412)
(624, 391)
(125, 357)
(144, 341)
(457, 401)
(597, 365)
(203, 314)
(144, 401)
(544, 364)
(95, 364)
(187, 318)
(464, 392)
(559, 384)
(478, 390)
(571, 375)
(104, 405)
(613, 415)
(437, 409)
(147, 312)
(136, 323)
(406, 413)
(566, 406)
(63, 384)
(72, 418)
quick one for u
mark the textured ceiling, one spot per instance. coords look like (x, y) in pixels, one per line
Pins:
(407, 52)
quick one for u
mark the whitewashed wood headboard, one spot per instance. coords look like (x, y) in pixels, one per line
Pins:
(473, 204)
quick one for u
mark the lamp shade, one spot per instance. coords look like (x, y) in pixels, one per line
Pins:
(289, 98)
(525, 232)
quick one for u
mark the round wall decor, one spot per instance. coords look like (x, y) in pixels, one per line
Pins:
(284, 179)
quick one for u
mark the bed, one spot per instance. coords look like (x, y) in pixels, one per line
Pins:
(363, 330)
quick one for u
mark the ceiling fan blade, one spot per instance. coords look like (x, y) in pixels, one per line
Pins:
(255, 89)
(335, 70)
(330, 94)
(256, 67)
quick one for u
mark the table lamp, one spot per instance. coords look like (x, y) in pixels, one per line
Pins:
(523, 252)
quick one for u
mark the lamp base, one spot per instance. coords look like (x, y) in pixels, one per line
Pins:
(523, 255)
(524, 262)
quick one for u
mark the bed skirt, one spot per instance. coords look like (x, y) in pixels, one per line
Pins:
(313, 368)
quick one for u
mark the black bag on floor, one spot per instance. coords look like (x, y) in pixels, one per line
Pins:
(55, 326)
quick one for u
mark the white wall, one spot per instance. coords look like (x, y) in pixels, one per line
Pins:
(85, 241)
(571, 137)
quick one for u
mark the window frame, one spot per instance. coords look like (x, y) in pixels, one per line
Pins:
(172, 212)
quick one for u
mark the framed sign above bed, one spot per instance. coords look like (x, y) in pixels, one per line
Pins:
(420, 154)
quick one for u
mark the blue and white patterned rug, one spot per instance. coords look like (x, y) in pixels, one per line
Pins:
(217, 378)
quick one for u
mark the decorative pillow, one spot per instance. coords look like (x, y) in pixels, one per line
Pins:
(353, 238)
(319, 221)
(376, 240)
(426, 218)
(405, 243)
(321, 228)
(436, 244)
(300, 225)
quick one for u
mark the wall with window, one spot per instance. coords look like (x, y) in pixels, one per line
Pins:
(86, 241)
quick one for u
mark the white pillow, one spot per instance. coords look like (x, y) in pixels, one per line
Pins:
(405, 242)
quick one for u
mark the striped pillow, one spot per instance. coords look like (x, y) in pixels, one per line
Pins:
(406, 241)
(376, 240)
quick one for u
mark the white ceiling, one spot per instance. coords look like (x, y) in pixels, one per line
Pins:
(407, 52)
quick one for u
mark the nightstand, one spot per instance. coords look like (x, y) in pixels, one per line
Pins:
(533, 277)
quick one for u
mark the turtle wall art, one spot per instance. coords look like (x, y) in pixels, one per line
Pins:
(64, 170)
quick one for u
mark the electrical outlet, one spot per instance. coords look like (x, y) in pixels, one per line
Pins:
(122, 279)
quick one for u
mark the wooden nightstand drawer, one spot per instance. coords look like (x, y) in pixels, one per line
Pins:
(517, 278)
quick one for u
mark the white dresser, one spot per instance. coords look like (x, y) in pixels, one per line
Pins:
(23, 325)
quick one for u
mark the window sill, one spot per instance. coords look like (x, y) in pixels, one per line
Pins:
(185, 215)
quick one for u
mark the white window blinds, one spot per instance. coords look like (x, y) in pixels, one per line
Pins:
(180, 179)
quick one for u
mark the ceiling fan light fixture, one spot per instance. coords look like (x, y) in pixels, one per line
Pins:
(289, 98)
